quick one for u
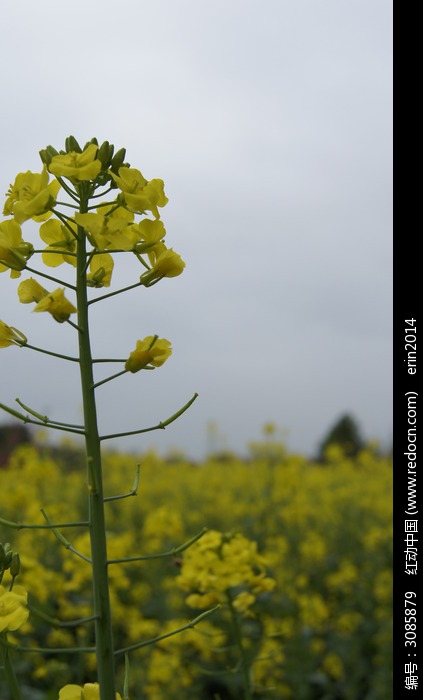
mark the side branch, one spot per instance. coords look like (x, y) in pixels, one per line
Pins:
(52, 425)
(132, 492)
(188, 626)
(64, 541)
(59, 623)
(112, 294)
(48, 650)
(51, 526)
(160, 426)
(53, 354)
(109, 379)
(53, 279)
(171, 553)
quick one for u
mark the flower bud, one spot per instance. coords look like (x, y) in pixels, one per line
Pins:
(15, 565)
(105, 153)
(47, 154)
(72, 145)
(2, 555)
(93, 140)
(117, 160)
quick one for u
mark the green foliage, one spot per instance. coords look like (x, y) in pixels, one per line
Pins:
(345, 434)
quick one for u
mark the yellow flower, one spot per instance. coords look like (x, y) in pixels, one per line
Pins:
(14, 252)
(57, 305)
(148, 234)
(333, 666)
(262, 584)
(59, 238)
(217, 565)
(167, 264)
(109, 231)
(139, 194)
(243, 601)
(77, 166)
(90, 691)
(206, 600)
(129, 180)
(30, 290)
(10, 336)
(150, 351)
(55, 302)
(13, 610)
(101, 268)
(31, 196)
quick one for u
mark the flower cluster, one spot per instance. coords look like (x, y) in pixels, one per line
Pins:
(222, 567)
(112, 228)
(92, 234)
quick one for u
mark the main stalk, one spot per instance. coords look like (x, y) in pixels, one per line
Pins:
(101, 598)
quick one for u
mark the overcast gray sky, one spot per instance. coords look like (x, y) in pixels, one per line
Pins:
(270, 123)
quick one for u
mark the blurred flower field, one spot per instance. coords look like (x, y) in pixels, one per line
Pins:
(301, 551)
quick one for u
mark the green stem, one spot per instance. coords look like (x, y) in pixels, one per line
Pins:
(161, 555)
(97, 528)
(53, 354)
(102, 194)
(9, 672)
(74, 325)
(119, 291)
(65, 542)
(188, 626)
(27, 419)
(67, 189)
(106, 204)
(59, 623)
(132, 492)
(49, 277)
(30, 526)
(109, 379)
(245, 667)
(48, 650)
(160, 426)
(57, 251)
(113, 359)
(65, 204)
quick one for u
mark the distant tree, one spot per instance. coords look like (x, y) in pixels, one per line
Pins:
(12, 435)
(346, 434)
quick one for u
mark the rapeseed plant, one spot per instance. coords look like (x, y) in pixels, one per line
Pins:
(85, 241)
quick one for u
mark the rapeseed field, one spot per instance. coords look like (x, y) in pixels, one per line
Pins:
(296, 559)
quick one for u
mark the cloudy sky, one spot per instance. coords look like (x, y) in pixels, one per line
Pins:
(270, 123)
